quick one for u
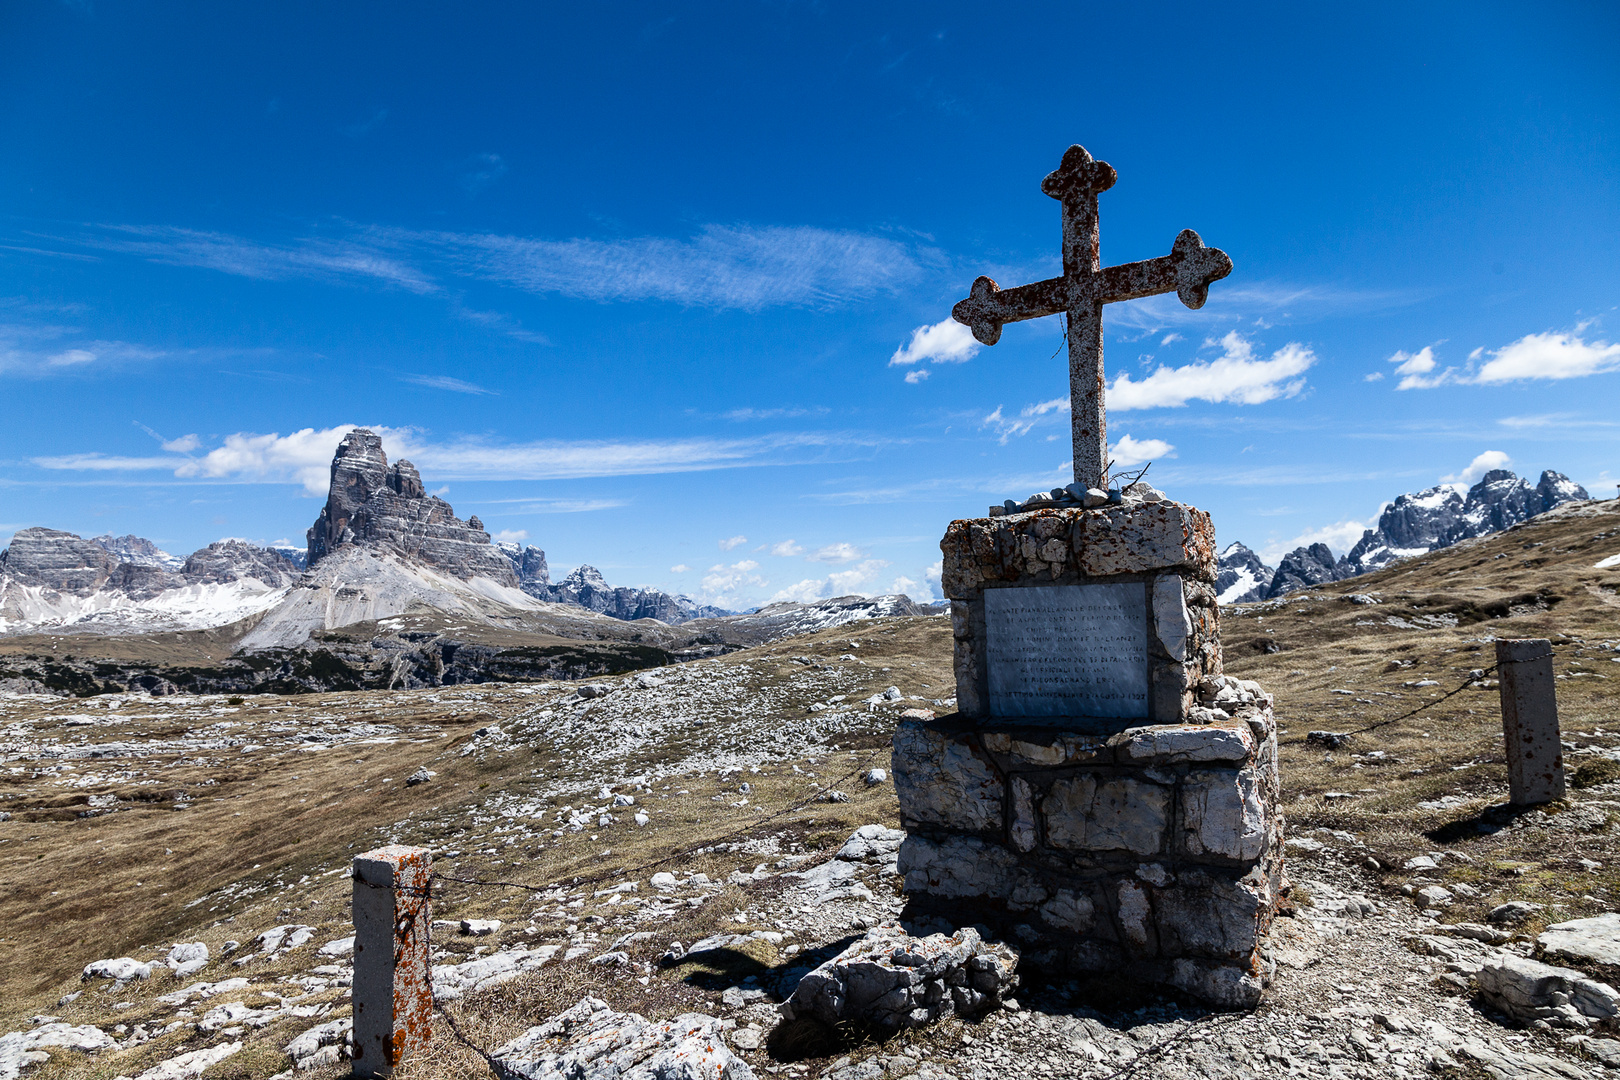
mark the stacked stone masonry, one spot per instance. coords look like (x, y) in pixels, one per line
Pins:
(1148, 848)
(1167, 547)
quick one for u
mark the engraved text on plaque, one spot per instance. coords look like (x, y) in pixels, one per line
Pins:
(1067, 650)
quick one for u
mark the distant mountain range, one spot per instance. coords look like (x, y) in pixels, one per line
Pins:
(381, 548)
(1413, 524)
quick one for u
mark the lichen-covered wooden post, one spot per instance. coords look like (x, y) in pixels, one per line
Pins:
(393, 1002)
(1535, 751)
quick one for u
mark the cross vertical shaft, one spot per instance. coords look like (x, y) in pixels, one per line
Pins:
(1082, 258)
(1081, 293)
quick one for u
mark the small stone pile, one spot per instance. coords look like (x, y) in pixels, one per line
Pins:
(1078, 495)
(892, 980)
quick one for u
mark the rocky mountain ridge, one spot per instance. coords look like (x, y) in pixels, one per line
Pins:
(1413, 524)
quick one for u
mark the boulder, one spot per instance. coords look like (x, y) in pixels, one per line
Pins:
(1593, 941)
(123, 968)
(892, 980)
(1531, 992)
(592, 1040)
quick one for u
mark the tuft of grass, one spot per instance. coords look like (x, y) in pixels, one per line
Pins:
(1592, 773)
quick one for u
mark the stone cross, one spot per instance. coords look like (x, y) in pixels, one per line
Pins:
(1083, 290)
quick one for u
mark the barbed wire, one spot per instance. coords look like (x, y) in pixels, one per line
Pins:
(1432, 702)
(403, 928)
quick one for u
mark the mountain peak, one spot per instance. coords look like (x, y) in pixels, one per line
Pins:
(372, 505)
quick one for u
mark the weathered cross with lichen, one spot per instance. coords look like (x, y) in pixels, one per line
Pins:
(1083, 290)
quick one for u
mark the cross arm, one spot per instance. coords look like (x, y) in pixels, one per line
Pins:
(988, 306)
(1187, 271)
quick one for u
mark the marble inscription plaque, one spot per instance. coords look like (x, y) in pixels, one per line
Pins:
(1067, 650)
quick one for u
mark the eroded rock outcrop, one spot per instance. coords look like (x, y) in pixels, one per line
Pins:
(370, 504)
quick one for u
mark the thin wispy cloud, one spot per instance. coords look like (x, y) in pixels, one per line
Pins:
(723, 266)
(743, 267)
(304, 457)
(42, 350)
(1233, 303)
(445, 382)
(316, 257)
(482, 171)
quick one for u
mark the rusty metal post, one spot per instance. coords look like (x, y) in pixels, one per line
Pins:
(1535, 752)
(393, 1002)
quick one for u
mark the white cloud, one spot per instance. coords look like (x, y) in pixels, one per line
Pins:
(733, 542)
(1027, 418)
(1550, 356)
(807, 591)
(39, 349)
(1236, 377)
(947, 342)
(305, 456)
(1373, 376)
(836, 553)
(1170, 339)
(1339, 538)
(1484, 463)
(839, 583)
(917, 376)
(725, 266)
(1130, 451)
(680, 568)
(314, 257)
(786, 549)
(1417, 370)
(445, 382)
(722, 585)
(747, 267)
(510, 536)
(106, 462)
(185, 444)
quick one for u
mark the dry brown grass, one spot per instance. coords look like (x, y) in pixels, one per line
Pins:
(1533, 581)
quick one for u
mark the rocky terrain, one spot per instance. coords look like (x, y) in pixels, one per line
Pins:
(696, 840)
(394, 591)
(1415, 523)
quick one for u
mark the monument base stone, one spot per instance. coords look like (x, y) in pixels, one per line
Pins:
(1145, 843)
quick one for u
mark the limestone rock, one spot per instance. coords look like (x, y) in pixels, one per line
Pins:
(1122, 814)
(956, 867)
(373, 505)
(941, 781)
(225, 561)
(19, 1049)
(892, 980)
(1529, 991)
(591, 1040)
(121, 969)
(1595, 940)
(1223, 813)
(57, 560)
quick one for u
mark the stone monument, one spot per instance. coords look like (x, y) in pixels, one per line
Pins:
(1103, 790)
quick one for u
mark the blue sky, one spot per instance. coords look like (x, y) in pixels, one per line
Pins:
(659, 288)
